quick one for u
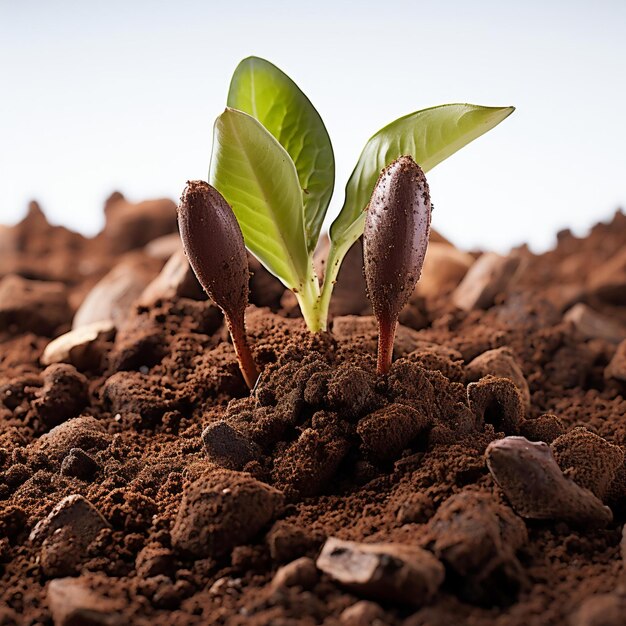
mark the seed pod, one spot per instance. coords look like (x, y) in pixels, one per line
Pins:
(214, 246)
(396, 233)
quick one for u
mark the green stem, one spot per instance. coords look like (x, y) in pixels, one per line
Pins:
(333, 263)
(308, 297)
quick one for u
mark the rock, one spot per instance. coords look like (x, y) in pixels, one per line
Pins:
(79, 464)
(227, 447)
(129, 226)
(112, 297)
(444, 268)
(606, 609)
(64, 394)
(387, 432)
(363, 613)
(477, 539)
(37, 306)
(416, 508)
(83, 432)
(487, 277)
(83, 348)
(155, 560)
(535, 486)
(73, 602)
(299, 573)
(616, 368)
(589, 460)
(387, 571)
(287, 542)
(593, 325)
(176, 280)
(544, 428)
(220, 510)
(500, 362)
(608, 281)
(497, 401)
(65, 535)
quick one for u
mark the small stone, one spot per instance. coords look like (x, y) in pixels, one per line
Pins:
(64, 394)
(616, 369)
(386, 571)
(497, 401)
(444, 268)
(287, 542)
(81, 348)
(41, 307)
(79, 464)
(416, 508)
(535, 486)
(477, 539)
(227, 447)
(589, 460)
(500, 362)
(299, 573)
(73, 602)
(155, 560)
(84, 432)
(220, 510)
(176, 280)
(487, 277)
(608, 281)
(111, 298)
(387, 432)
(593, 325)
(363, 613)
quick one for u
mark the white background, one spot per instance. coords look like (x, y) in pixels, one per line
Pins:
(97, 96)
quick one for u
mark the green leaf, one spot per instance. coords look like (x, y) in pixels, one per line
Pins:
(269, 95)
(429, 136)
(259, 181)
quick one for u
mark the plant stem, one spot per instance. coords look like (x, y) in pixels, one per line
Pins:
(333, 263)
(237, 330)
(308, 297)
(386, 336)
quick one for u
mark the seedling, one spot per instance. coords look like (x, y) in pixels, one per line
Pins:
(214, 246)
(273, 161)
(397, 227)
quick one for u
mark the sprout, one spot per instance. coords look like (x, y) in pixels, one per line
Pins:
(214, 246)
(397, 226)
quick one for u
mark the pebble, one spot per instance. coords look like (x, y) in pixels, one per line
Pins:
(363, 613)
(40, 307)
(155, 560)
(79, 464)
(222, 509)
(73, 602)
(387, 571)
(287, 542)
(299, 573)
(444, 268)
(589, 460)
(227, 447)
(477, 538)
(497, 401)
(111, 298)
(387, 432)
(535, 486)
(82, 347)
(616, 369)
(500, 362)
(593, 325)
(84, 432)
(487, 277)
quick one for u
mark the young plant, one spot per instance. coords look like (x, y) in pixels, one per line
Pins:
(214, 246)
(273, 161)
(397, 226)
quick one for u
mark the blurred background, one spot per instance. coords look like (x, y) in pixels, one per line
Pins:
(122, 96)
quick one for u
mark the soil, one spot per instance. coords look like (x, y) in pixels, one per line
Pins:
(142, 483)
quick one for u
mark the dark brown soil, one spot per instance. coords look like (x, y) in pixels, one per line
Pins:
(141, 483)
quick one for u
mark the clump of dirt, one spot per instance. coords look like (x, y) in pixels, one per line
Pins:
(141, 482)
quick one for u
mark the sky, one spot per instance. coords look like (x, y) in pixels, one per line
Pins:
(122, 95)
